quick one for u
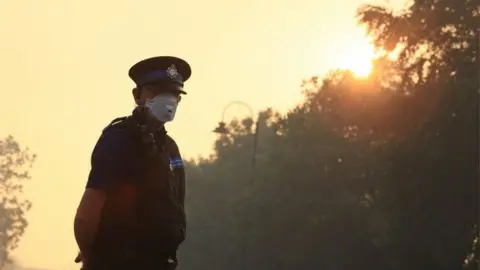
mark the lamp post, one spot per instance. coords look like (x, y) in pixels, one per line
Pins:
(222, 129)
(478, 105)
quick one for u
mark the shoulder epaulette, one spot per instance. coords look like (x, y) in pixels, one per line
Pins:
(115, 122)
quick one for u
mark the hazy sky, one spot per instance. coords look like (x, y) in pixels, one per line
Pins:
(64, 70)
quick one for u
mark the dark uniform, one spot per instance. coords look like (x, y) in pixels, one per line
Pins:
(143, 221)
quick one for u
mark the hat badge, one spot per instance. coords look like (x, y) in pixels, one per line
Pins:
(172, 72)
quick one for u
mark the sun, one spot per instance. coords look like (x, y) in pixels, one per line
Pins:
(357, 56)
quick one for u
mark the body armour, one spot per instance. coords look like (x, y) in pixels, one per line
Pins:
(155, 224)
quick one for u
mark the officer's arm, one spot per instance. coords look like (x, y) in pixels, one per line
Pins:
(87, 218)
(109, 165)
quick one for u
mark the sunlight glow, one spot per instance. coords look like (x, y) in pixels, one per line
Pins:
(358, 58)
(356, 53)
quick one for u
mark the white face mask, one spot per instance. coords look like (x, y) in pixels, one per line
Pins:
(163, 107)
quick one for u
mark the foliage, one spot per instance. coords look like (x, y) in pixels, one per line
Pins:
(14, 165)
(377, 173)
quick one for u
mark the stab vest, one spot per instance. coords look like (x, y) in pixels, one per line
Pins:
(157, 221)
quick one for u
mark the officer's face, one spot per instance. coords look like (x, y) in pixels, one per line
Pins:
(141, 95)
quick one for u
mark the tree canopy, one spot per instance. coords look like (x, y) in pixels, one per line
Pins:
(376, 173)
(14, 171)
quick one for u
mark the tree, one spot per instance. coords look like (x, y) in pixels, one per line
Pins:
(14, 165)
(323, 188)
(303, 205)
(363, 174)
(433, 188)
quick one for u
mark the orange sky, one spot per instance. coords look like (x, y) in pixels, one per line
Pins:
(64, 77)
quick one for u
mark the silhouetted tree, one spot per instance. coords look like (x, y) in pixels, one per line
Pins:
(378, 173)
(433, 187)
(14, 165)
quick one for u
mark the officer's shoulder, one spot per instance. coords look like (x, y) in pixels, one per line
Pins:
(117, 132)
(172, 142)
(119, 123)
(115, 144)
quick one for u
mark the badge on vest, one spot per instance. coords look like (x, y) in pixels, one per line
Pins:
(175, 163)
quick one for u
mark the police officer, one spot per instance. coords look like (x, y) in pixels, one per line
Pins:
(131, 215)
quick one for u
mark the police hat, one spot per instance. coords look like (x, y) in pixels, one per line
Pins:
(161, 69)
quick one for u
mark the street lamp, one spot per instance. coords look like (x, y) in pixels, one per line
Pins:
(223, 130)
(222, 127)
